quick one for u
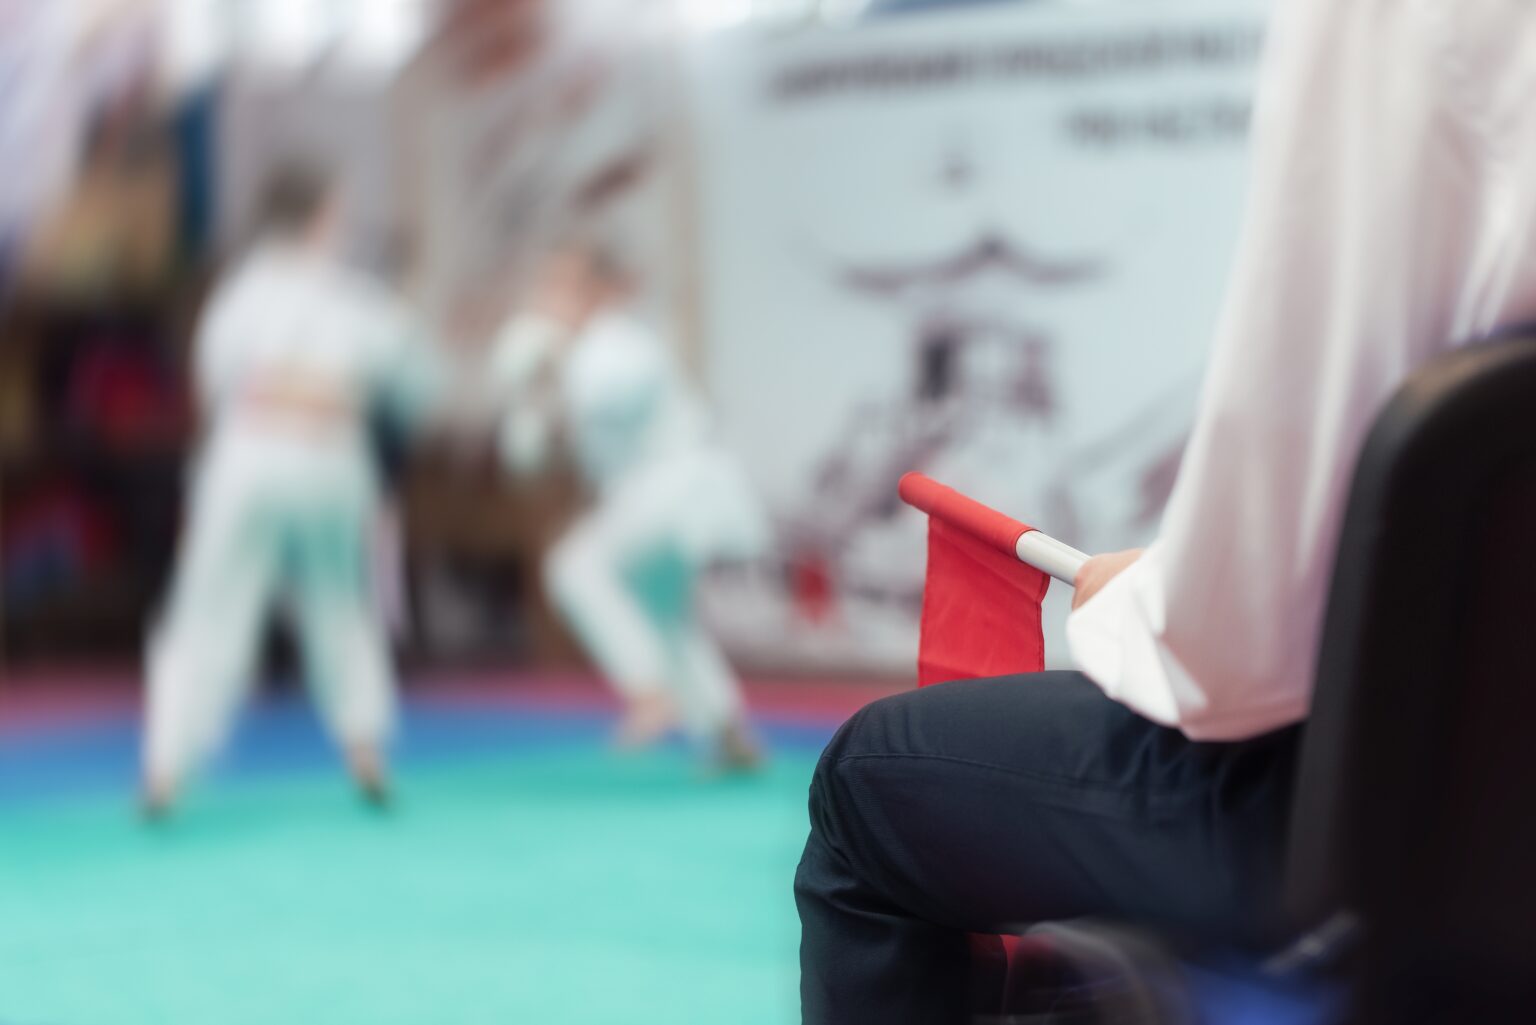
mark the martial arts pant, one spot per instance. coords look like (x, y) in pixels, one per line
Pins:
(625, 577)
(985, 805)
(251, 547)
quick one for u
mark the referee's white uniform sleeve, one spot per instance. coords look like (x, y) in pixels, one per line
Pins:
(1390, 214)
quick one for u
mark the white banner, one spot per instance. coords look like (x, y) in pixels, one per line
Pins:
(986, 245)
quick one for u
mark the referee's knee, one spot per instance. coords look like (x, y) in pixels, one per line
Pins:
(866, 732)
(855, 735)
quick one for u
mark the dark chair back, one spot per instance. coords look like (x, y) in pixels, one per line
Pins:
(1416, 799)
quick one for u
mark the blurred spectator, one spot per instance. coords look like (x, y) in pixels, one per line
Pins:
(75, 84)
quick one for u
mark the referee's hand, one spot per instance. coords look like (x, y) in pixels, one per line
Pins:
(1100, 570)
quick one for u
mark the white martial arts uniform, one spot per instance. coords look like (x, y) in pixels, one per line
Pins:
(283, 499)
(669, 503)
(1393, 214)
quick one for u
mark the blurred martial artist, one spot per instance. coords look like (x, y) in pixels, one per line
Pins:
(668, 502)
(297, 358)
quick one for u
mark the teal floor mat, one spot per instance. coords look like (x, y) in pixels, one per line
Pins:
(559, 885)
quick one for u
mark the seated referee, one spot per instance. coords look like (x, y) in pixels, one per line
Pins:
(1391, 214)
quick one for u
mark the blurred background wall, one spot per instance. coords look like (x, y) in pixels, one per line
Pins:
(984, 240)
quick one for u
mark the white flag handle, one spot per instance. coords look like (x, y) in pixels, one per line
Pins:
(1050, 556)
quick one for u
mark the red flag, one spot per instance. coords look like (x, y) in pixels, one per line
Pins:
(981, 605)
